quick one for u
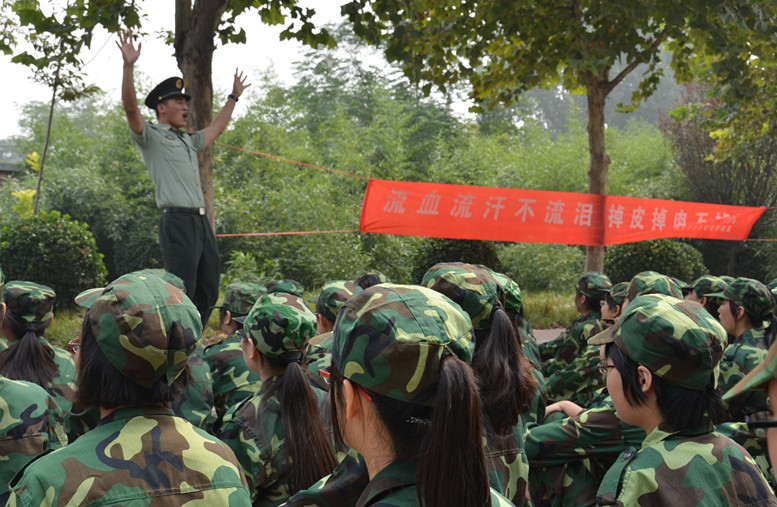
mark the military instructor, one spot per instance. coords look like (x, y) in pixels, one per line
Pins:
(170, 154)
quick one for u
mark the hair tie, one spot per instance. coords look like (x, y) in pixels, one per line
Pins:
(292, 357)
(32, 326)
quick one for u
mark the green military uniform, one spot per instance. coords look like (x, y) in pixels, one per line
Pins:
(187, 240)
(682, 344)
(233, 382)
(342, 488)
(31, 424)
(145, 329)
(570, 456)
(279, 326)
(196, 401)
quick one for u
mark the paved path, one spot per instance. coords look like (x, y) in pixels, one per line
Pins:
(545, 335)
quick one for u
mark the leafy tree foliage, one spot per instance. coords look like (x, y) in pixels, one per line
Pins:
(667, 256)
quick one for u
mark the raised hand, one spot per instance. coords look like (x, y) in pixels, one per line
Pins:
(127, 47)
(239, 84)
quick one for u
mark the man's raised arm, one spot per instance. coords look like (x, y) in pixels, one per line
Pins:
(129, 97)
(222, 119)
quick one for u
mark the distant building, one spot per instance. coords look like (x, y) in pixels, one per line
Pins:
(10, 160)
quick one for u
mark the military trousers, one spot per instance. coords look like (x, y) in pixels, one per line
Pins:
(190, 252)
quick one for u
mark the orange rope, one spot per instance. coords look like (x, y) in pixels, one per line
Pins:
(281, 233)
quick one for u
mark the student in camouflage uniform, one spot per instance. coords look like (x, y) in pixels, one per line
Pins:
(702, 288)
(32, 424)
(367, 279)
(233, 381)
(662, 358)
(651, 282)
(507, 385)
(29, 356)
(746, 305)
(571, 370)
(277, 434)
(134, 344)
(405, 399)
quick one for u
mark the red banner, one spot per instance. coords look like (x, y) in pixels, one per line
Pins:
(537, 216)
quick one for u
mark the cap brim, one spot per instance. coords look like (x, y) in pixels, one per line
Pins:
(716, 295)
(86, 298)
(240, 319)
(763, 372)
(606, 336)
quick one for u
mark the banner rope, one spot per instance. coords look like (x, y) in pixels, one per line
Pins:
(291, 233)
(292, 161)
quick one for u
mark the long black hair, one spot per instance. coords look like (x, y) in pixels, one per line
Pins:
(29, 358)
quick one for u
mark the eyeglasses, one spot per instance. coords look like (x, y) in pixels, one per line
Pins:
(604, 367)
(75, 345)
(326, 374)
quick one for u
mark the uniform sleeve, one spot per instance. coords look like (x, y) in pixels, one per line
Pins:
(232, 434)
(144, 138)
(198, 140)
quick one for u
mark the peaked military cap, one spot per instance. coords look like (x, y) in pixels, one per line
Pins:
(170, 87)
(750, 294)
(333, 296)
(391, 339)
(369, 278)
(288, 286)
(280, 325)
(619, 292)
(675, 339)
(474, 289)
(593, 284)
(653, 282)
(32, 302)
(239, 297)
(146, 327)
(706, 285)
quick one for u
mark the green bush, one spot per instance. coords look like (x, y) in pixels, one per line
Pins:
(670, 257)
(52, 250)
(540, 267)
(436, 250)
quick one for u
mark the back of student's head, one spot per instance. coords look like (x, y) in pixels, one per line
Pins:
(28, 312)
(408, 347)
(681, 344)
(504, 374)
(280, 325)
(136, 338)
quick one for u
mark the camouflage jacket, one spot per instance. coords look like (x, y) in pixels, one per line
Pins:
(341, 488)
(254, 430)
(508, 467)
(559, 353)
(529, 345)
(135, 457)
(196, 401)
(579, 380)
(699, 467)
(31, 424)
(395, 486)
(319, 356)
(741, 356)
(233, 382)
(570, 455)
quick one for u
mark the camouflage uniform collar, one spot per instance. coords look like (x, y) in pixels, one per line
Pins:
(659, 435)
(398, 474)
(130, 412)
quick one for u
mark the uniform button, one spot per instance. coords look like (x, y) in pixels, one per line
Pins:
(629, 454)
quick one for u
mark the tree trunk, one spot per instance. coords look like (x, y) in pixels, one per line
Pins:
(195, 30)
(598, 89)
(36, 208)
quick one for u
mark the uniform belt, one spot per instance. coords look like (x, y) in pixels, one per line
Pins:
(196, 211)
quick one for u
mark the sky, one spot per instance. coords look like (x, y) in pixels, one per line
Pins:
(103, 63)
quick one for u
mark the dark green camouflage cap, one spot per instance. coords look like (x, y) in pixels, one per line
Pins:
(513, 294)
(750, 294)
(472, 288)
(594, 285)
(174, 280)
(369, 278)
(675, 339)
(287, 286)
(333, 296)
(32, 302)
(146, 327)
(707, 284)
(239, 297)
(619, 292)
(280, 325)
(391, 339)
(727, 279)
(653, 282)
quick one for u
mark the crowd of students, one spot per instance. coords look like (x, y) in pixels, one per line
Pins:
(373, 393)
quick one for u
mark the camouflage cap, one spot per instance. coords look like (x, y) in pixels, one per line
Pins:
(772, 286)
(750, 294)
(32, 302)
(675, 339)
(763, 372)
(333, 296)
(146, 327)
(472, 288)
(706, 284)
(369, 278)
(392, 338)
(513, 294)
(726, 278)
(2, 278)
(619, 291)
(174, 280)
(288, 286)
(653, 282)
(280, 325)
(593, 284)
(239, 297)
